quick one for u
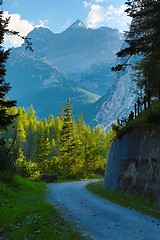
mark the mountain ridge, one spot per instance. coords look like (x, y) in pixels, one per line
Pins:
(74, 64)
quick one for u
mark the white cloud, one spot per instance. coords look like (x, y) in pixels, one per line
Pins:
(87, 4)
(17, 24)
(96, 15)
(20, 25)
(108, 16)
(99, 1)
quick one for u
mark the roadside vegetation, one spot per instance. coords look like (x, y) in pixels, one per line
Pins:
(146, 119)
(129, 201)
(25, 214)
(141, 54)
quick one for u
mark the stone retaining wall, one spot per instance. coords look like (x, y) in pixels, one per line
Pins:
(134, 163)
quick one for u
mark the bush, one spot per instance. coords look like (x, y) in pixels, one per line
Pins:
(26, 168)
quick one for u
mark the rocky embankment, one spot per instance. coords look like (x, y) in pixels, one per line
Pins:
(134, 163)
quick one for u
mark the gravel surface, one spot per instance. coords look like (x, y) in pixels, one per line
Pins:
(100, 219)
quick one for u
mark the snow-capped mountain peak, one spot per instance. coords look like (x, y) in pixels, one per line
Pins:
(78, 24)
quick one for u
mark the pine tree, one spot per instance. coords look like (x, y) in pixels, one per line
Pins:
(42, 149)
(143, 40)
(68, 144)
(55, 131)
(31, 117)
(50, 120)
(67, 137)
(5, 117)
(21, 124)
(31, 131)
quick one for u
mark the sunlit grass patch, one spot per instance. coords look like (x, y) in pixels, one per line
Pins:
(25, 214)
(130, 201)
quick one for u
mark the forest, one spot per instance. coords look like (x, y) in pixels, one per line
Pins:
(58, 145)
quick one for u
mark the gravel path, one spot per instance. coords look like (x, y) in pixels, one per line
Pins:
(98, 218)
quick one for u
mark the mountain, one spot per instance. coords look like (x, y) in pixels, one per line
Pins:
(73, 64)
(78, 25)
(77, 48)
(36, 81)
(116, 103)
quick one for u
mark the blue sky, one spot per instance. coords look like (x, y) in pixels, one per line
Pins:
(57, 15)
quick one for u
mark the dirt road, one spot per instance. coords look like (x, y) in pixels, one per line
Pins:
(98, 218)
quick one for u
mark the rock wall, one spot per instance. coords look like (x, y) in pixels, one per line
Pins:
(134, 163)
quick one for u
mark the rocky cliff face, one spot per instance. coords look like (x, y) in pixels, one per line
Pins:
(134, 163)
(118, 101)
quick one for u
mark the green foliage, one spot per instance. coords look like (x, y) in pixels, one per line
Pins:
(137, 203)
(59, 145)
(70, 161)
(142, 39)
(146, 119)
(26, 215)
(26, 168)
(6, 117)
(8, 112)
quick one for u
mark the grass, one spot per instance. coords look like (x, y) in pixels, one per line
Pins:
(146, 119)
(25, 215)
(130, 201)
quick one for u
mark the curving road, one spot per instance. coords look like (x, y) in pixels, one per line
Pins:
(100, 219)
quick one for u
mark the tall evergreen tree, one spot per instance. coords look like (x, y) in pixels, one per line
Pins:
(31, 131)
(143, 39)
(67, 134)
(68, 145)
(5, 117)
(42, 149)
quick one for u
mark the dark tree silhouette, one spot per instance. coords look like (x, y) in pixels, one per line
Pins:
(6, 117)
(142, 39)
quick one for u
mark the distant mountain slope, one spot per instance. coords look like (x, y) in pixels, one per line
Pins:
(34, 81)
(75, 63)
